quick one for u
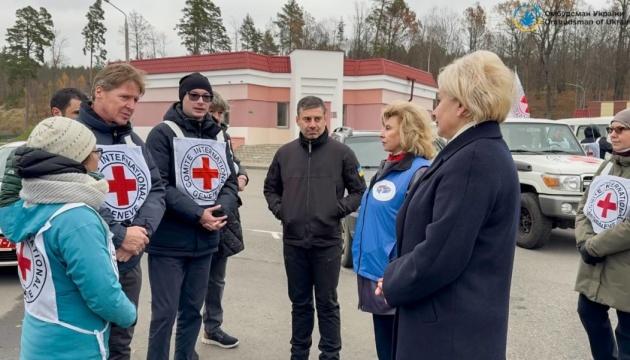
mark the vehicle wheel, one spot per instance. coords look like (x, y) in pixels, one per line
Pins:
(534, 227)
(346, 255)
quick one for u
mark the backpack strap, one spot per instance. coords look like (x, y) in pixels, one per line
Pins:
(175, 128)
(416, 176)
(129, 140)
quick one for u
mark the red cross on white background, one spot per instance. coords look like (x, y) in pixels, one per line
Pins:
(24, 264)
(206, 173)
(606, 205)
(121, 185)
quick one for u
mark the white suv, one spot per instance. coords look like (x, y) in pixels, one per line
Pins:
(553, 172)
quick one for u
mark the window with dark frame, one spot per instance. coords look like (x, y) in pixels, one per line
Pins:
(282, 120)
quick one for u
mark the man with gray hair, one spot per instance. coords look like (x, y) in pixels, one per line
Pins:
(304, 189)
(135, 204)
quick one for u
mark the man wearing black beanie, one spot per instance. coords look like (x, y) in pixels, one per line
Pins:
(201, 190)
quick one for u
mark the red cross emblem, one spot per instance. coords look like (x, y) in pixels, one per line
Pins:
(206, 173)
(606, 205)
(121, 185)
(24, 264)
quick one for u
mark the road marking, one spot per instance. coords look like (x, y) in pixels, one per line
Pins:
(274, 234)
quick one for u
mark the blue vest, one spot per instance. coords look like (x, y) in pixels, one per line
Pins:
(374, 241)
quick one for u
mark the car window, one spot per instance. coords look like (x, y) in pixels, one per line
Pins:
(540, 138)
(4, 155)
(368, 149)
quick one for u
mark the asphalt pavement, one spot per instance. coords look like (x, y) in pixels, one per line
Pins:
(543, 321)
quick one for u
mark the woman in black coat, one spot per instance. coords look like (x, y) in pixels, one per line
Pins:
(456, 231)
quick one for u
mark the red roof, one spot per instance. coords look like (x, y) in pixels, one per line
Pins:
(386, 67)
(214, 62)
(276, 64)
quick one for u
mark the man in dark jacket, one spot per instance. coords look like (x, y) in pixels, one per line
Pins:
(135, 203)
(304, 189)
(200, 189)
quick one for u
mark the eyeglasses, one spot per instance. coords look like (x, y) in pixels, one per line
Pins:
(98, 152)
(194, 97)
(617, 129)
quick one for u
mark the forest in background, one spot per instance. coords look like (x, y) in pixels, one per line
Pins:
(567, 61)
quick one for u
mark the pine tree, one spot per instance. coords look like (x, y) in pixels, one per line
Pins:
(24, 53)
(268, 44)
(201, 28)
(94, 35)
(250, 36)
(290, 24)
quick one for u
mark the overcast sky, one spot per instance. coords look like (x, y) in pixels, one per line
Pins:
(69, 17)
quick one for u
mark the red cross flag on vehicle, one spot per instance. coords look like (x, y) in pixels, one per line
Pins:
(201, 168)
(520, 108)
(128, 176)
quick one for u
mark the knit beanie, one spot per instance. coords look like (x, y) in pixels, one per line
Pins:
(622, 117)
(191, 82)
(62, 136)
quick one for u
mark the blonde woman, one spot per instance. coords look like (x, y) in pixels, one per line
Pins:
(456, 230)
(407, 137)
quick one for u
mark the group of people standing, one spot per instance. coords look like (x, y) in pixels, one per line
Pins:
(86, 197)
(434, 240)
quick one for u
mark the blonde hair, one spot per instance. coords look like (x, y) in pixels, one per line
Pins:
(481, 83)
(219, 103)
(416, 135)
(114, 75)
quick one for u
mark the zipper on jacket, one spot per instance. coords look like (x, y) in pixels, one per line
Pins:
(114, 137)
(308, 184)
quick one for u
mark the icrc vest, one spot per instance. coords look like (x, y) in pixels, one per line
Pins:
(201, 166)
(128, 176)
(40, 295)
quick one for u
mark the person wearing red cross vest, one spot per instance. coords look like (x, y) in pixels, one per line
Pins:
(134, 205)
(201, 194)
(602, 234)
(66, 259)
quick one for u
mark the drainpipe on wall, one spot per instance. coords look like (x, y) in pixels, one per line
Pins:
(413, 81)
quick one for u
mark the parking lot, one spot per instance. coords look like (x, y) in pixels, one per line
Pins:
(543, 321)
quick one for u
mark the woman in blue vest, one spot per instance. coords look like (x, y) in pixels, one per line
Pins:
(408, 138)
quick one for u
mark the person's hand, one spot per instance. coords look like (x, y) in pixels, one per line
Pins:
(209, 221)
(135, 240)
(588, 258)
(122, 255)
(242, 182)
(379, 289)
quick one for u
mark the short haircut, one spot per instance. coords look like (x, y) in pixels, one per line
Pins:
(481, 83)
(310, 102)
(114, 75)
(61, 98)
(416, 135)
(219, 103)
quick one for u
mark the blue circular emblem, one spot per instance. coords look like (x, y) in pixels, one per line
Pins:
(527, 17)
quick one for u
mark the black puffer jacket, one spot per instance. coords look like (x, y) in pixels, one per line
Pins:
(180, 233)
(305, 188)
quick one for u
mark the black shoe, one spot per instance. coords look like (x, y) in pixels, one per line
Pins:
(219, 338)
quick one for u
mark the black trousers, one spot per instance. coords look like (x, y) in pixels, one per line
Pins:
(120, 338)
(178, 287)
(384, 335)
(317, 269)
(594, 317)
